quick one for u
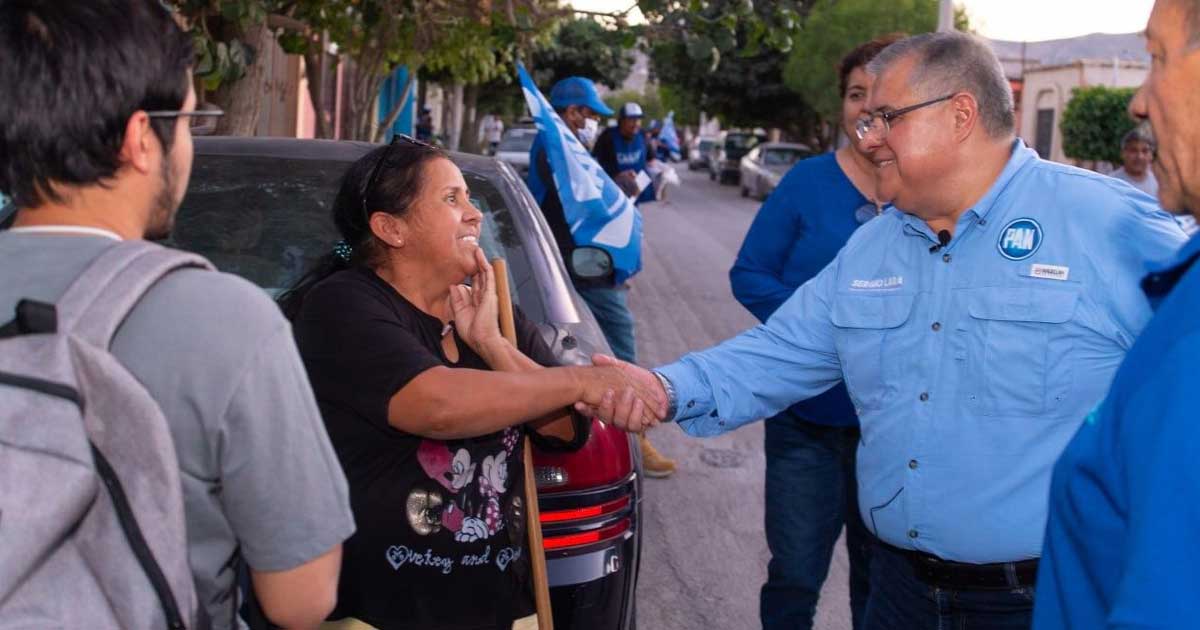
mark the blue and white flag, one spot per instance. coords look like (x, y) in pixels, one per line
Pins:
(669, 138)
(597, 211)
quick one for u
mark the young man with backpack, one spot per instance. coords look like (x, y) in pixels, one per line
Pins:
(157, 429)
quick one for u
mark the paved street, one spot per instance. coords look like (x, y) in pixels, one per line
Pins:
(704, 553)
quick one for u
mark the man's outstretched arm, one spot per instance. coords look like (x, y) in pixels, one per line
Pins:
(792, 357)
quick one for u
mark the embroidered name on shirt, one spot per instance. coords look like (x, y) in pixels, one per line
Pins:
(891, 282)
(1050, 272)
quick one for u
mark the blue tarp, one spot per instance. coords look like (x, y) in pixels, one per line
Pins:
(389, 94)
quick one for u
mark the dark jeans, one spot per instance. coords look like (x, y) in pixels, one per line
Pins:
(811, 493)
(899, 601)
(610, 305)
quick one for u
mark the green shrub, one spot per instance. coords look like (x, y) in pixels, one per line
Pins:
(1094, 122)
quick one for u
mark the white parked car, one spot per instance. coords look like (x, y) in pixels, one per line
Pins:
(766, 164)
(514, 147)
(698, 152)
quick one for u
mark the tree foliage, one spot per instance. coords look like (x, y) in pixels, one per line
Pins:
(835, 27)
(470, 41)
(710, 30)
(744, 91)
(584, 47)
(217, 29)
(726, 57)
(1094, 121)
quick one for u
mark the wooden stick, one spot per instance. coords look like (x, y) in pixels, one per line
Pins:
(537, 553)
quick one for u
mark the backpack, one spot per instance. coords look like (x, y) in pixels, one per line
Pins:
(92, 531)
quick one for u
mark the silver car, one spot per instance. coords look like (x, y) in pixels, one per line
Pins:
(766, 164)
(514, 148)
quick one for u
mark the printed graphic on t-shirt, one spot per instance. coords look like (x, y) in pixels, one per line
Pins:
(471, 500)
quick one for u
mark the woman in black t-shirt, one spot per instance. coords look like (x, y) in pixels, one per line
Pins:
(426, 403)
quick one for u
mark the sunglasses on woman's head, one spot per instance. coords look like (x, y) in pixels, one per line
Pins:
(397, 139)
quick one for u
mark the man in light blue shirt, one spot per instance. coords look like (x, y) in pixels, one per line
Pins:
(975, 323)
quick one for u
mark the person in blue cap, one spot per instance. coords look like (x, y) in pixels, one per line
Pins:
(974, 322)
(580, 107)
(623, 151)
(1120, 550)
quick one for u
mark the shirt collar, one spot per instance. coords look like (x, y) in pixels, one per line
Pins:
(1020, 156)
(76, 230)
(1160, 282)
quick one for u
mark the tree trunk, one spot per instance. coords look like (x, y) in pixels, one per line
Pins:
(363, 78)
(316, 66)
(456, 117)
(470, 130)
(242, 99)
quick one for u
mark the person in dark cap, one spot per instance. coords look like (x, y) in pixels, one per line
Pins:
(580, 107)
(623, 151)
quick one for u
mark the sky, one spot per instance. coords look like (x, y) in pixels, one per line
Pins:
(1027, 20)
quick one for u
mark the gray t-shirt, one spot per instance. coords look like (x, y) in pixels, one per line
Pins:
(260, 479)
(1148, 184)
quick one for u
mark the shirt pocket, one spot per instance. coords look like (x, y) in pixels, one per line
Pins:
(1018, 346)
(865, 325)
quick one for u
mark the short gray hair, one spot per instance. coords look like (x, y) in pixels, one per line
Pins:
(1140, 133)
(952, 62)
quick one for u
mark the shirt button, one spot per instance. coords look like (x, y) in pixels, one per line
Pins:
(691, 403)
(924, 396)
(945, 257)
(936, 326)
(912, 463)
(912, 533)
(983, 222)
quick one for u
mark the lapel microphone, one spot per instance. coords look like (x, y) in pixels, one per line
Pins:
(943, 240)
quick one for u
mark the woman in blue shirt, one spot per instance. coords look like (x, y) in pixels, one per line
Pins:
(810, 482)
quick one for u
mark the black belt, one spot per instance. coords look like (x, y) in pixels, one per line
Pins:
(935, 571)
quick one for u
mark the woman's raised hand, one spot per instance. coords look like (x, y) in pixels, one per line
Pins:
(474, 308)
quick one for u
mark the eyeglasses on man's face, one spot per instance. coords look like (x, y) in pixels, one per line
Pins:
(880, 123)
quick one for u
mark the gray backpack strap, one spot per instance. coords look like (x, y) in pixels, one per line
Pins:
(102, 296)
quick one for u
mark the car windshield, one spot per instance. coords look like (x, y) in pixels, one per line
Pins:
(518, 140)
(268, 220)
(782, 157)
(739, 141)
(706, 145)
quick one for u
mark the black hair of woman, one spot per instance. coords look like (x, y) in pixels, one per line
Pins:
(388, 179)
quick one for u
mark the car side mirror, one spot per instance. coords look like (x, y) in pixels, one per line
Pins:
(591, 263)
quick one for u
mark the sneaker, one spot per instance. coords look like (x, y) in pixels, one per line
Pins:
(654, 464)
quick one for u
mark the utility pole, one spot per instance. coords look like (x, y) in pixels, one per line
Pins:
(945, 16)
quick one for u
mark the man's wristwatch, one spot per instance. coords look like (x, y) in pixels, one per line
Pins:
(672, 399)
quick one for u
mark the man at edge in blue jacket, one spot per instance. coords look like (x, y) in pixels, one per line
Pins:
(1121, 541)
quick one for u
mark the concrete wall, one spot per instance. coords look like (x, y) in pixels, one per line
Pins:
(1049, 88)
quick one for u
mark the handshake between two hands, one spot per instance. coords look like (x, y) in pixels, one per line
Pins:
(622, 394)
